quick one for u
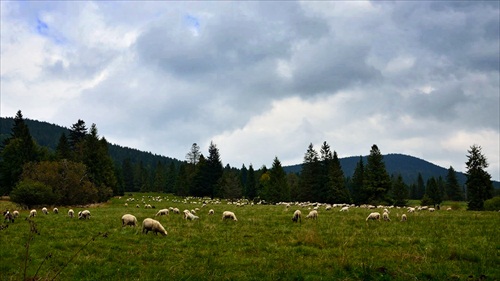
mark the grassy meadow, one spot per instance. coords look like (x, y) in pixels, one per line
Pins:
(264, 244)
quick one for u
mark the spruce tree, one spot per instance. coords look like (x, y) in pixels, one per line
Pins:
(193, 155)
(420, 187)
(251, 185)
(215, 170)
(63, 149)
(400, 191)
(77, 134)
(171, 176)
(478, 183)
(377, 182)
(453, 190)
(309, 181)
(338, 192)
(432, 192)
(359, 194)
(278, 186)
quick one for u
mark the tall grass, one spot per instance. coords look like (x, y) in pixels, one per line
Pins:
(264, 244)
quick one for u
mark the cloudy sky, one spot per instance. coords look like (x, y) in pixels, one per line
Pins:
(261, 79)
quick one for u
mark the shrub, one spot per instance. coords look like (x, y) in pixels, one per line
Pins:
(492, 204)
(30, 193)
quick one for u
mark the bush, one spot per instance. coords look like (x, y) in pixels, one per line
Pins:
(31, 193)
(492, 204)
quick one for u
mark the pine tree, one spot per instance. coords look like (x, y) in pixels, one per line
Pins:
(432, 192)
(338, 192)
(325, 184)
(171, 176)
(160, 177)
(377, 182)
(230, 184)
(128, 175)
(63, 149)
(309, 182)
(215, 170)
(278, 186)
(420, 187)
(17, 150)
(453, 190)
(358, 192)
(77, 134)
(193, 155)
(478, 183)
(400, 191)
(250, 188)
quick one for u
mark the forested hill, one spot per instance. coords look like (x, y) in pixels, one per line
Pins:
(408, 166)
(46, 134)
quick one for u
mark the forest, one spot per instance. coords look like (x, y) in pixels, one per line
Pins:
(44, 163)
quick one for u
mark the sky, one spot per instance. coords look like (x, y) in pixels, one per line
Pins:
(261, 79)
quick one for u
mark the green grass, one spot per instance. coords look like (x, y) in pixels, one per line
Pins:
(264, 244)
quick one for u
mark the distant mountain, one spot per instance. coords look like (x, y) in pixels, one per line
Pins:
(408, 166)
(48, 135)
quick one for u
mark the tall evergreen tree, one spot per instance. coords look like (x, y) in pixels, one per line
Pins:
(215, 170)
(77, 134)
(181, 182)
(478, 183)
(17, 150)
(420, 187)
(244, 178)
(251, 185)
(293, 183)
(325, 188)
(309, 182)
(63, 149)
(230, 183)
(171, 176)
(338, 192)
(200, 185)
(358, 192)
(377, 182)
(128, 175)
(453, 190)
(278, 186)
(160, 177)
(400, 191)
(432, 192)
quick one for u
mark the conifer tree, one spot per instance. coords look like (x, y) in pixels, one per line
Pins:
(215, 169)
(293, 183)
(338, 192)
(128, 175)
(420, 187)
(194, 154)
(478, 183)
(325, 188)
(278, 186)
(77, 134)
(250, 187)
(160, 177)
(358, 192)
(171, 176)
(309, 182)
(453, 190)
(377, 182)
(17, 150)
(400, 191)
(63, 149)
(432, 192)
(230, 183)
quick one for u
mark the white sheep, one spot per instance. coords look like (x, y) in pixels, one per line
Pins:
(344, 209)
(211, 212)
(32, 213)
(162, 212)
(150, 224)
(373, 216)
(176, 211)
(45, 211)
(297, 216)
(71, 213)
(431, 209)
(403, 217)
(15, 214)
(312, 214)
(229, 215)
(191, 216)
(84, 214)
(411, 210)
(385, 215)
(56, 211)
(129, 219)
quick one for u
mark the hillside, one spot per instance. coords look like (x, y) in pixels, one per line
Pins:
(409, 167)
(46, 134)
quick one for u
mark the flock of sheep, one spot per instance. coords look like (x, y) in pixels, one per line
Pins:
(153, 225)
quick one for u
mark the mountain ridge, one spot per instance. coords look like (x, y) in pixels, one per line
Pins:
(47, 134)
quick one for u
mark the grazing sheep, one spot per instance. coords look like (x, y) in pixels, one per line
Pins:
(32, 213)
(15, 214)
(153, 225)
(385, 215)
(84, 214)
(211, 212)
(297, 216)
(191, 216)
(344, 209)
(431, 209)
(373, 216)
(403, 217)
(71, 213)
(176, 211)
(312, 214)
(229, 215)
(45, 211)
(56, 211)
(162, 212)
(129, 219)
(411, 210)
(8, 216)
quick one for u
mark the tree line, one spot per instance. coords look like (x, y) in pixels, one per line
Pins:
(81, 171)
